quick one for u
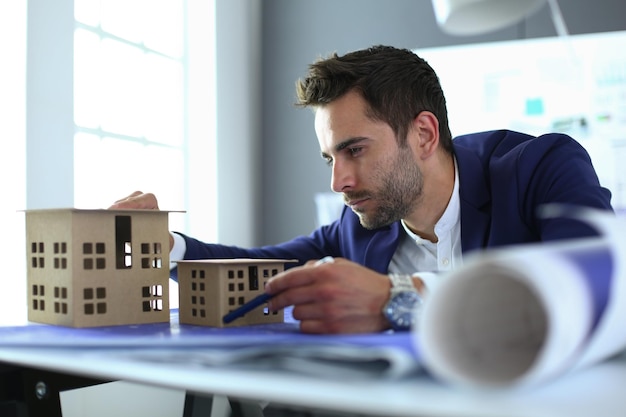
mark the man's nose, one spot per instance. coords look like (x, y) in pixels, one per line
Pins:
(342, 178)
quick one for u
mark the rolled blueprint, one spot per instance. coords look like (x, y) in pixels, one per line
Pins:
(524, 315)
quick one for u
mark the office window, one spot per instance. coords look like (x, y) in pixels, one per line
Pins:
(13, 169)
(129, 100)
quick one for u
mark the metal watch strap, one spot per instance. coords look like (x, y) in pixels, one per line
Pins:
(401, 282)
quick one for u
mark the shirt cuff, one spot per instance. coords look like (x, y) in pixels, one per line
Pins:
(178, 250)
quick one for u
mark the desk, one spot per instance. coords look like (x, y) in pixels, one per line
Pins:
(596, 391)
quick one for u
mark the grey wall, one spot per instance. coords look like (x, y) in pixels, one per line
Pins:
(296, 32)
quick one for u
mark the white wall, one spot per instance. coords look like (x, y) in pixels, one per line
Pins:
(238, 48)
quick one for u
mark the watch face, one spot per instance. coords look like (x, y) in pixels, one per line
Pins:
(400, 310)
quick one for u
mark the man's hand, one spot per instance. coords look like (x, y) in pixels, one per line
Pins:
(137, 200)
(337, 297)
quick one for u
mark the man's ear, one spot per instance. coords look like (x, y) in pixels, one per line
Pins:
(426, 126)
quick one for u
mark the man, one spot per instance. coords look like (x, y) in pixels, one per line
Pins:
(417, 200)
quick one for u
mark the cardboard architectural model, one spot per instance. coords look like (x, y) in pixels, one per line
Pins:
(88, 268)
(209, 289)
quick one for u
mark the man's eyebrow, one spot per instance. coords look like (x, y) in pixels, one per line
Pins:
(346, 143)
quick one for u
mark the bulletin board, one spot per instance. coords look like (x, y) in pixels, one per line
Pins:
(574, 85)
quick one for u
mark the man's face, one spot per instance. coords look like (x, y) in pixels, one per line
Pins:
(380, 181)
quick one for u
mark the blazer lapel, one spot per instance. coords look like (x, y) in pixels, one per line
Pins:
(475, 198)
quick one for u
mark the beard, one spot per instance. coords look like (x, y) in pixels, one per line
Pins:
(400, 190)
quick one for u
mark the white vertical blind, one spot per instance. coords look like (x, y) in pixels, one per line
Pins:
(12, 159)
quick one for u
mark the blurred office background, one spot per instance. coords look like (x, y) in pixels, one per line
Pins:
(193, 100)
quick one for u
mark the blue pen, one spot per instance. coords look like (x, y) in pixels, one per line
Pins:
(261, 299)
(246, 308)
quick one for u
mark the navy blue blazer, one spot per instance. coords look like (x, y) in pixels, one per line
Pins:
(504, 177)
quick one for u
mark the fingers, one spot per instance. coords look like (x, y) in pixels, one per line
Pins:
(332, 296)
(290, 287)
(137, 200)
(134, 194)
(301, 276)
(330, 318)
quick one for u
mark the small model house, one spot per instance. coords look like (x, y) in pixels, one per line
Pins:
(88, 268)
(210, 288)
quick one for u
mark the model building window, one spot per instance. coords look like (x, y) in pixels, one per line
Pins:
(96, 308)
(157, 290)
(253, 278)
(198, 300)
(145, 260)
(123, 242)
(38, 293)
(198, 273)
(60, 302)
(90, 294)
(96, 296)
(60, 248)
(37, 248)
(154, 259)
(95, 260)
(60, 308)
(60, 263)
(155, 295)
(156, 305)
(38, 290)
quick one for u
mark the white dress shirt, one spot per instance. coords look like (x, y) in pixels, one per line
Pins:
(178, 250)
(423, 258)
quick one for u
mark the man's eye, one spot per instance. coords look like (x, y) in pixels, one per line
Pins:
(328, 160)
(355, 151)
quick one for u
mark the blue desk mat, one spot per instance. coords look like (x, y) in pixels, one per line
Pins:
(271, 345)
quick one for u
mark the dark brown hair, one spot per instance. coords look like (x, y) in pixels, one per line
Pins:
(396, 83)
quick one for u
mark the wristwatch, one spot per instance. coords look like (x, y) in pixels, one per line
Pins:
(403, 302)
